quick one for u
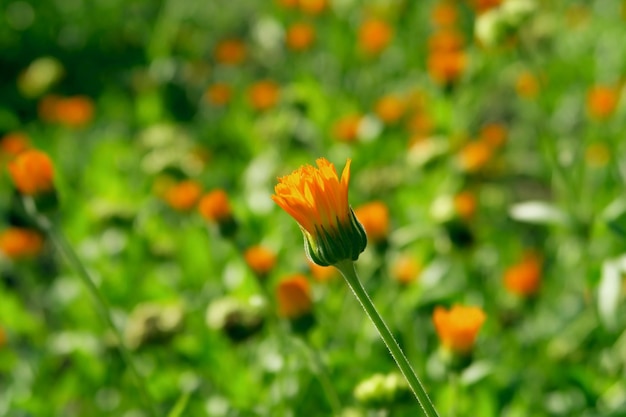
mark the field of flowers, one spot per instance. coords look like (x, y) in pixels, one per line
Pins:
(154, 156)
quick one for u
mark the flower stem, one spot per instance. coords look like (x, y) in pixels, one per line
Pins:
(63, 246)
(349, 273)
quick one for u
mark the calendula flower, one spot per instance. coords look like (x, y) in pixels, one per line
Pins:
(602, 101)
(74, 111)
(374, 217)
(215, 206)
(458, 327)
(32, 172)
(218, 94)
(406, 269)
(263, 94)
(318, 200)
(390, 108)
(300, 36)
(13, 143)
(293, 295)
(465, 205)
(524, 277)
(444, 14)
(184, 195)
(494, 134)
(18, 243)
(312, 7)
(527, 85)
(230, 52)
(374, 36)
(346, 129)
(260, 259)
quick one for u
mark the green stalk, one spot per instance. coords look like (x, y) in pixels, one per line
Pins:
(63, 246)
(346, 268)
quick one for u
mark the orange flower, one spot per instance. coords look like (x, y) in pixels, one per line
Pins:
(602, 101)
(13, 143)
(263, 94)
(390, 109)
(419, 124)
(447, 40)
(322, 273)
(474, 156)
(347, 128)
(313, 7)
(218, 94)
(374, 217)
(374, 36)
(446, 67)
(18, 243)
(293, 295)
(318, 201)
(444, 14)
(300, 36)
(32, 172)
(406, 269)
(184, 195)
(74, 111)
(215, 206)
(527, 85)
(524, 278)
(494, 134)
(230, 52)
(457, 328)
(481, 6)
(260, 259)
(465, 205)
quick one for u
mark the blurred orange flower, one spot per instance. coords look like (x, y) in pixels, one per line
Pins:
(474, 156)
(374, 35)
(465, 205)
(346, 129)
(481, 6)
(13, 143)
(76, 111)
(446, 67)
(458, 327)
(293, 295)
(17, 243)
(419, 123)
(32, 172)
(313, 7)
(527, 85)
(390, 108)
(230, 52)
(374, 217)
(602, 101)
(218, 94)
(184, 195)
(322, 273)
(524, 278)
(263, 94)
(300, 36)
(494, 134)
(406, 269)
(446, 40)
(444, 13)
(260, 259)
(215, 206)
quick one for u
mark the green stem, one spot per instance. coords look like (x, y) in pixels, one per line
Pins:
(349, 273)
(63, 246)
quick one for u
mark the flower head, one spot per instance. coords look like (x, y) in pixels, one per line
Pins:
(184, 195)
(294, 297)
(524, 277)
(318, 200)
(12, 144)
(374, 36)
(32, 172)
(374, 217)
(300, 36)
(260, 259)
(458, 327)
(18, 243)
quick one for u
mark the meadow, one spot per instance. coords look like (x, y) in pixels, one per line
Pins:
(146, 268)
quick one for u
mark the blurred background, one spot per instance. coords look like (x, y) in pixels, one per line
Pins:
(487, 146)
